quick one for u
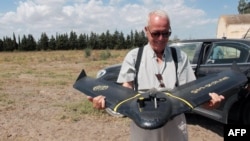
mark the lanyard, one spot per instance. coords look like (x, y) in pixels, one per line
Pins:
(158, 71)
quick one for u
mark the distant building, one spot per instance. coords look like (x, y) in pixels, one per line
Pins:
(234, 26)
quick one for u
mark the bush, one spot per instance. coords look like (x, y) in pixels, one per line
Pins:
(87, 52)
(105, 54)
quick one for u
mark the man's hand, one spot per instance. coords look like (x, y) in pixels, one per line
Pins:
(214, 102)
(98, 101)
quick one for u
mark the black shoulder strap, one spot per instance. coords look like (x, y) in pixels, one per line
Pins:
(174, 54)
(137, 66)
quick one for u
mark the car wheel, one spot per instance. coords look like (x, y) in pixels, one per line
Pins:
(113, 113)
(246, 113)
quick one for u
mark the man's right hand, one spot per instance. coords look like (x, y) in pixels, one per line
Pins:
(98, 101)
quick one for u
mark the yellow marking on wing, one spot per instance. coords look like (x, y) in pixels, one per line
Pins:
(100, 87)
(120, 103)
(181, 99)
(195, 91)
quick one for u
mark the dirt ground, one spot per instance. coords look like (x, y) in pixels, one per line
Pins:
(36, 98)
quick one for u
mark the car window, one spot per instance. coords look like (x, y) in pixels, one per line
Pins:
(223, 53)
(188, 48)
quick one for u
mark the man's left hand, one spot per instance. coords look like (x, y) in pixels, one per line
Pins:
(214, 102)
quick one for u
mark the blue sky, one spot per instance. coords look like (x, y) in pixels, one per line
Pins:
(190, 19)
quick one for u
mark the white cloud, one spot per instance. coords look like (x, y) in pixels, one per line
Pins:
(115, 2)
(83, 16)
(50, 2)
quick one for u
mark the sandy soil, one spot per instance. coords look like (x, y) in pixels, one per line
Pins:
(35, 98)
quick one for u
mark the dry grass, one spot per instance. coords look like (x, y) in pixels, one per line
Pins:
(38, 102)
(28, 74)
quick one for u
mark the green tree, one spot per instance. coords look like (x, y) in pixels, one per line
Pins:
(115, 40)
(1, 45)
(15, 45)
(28, 43)
(121, 41)
(52, 43)
(73, 41)
(8, 44)
(62, 42)
(132, 39)
(103, 41)
(140, 39)
(243, 7)
(128, 42)
(82, 41)
(43, 43)
(108, 38)
(93, 41)
(31, 44)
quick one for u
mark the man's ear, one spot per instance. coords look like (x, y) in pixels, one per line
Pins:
(170, 30)
(145, 30)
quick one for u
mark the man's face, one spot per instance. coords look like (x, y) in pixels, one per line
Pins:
(158, 32)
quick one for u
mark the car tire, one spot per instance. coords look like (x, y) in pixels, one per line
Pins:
(113, 113)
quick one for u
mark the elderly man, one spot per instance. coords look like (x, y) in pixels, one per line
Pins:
(157, 69)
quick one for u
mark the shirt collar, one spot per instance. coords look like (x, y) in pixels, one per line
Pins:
(165, 53)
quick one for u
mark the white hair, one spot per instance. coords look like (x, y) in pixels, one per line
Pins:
(161, 13)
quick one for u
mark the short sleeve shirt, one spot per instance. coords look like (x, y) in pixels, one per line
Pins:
(149, 68)
(175, 129)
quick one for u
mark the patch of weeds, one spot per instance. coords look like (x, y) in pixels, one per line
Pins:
(8, 75)
(45, 83)
(87, 51)
(30, 71)
(4, 100)
(7, 59)
(63, 117)
(77, 110)
(62, 57)
(115, 55)
(62, 83)
(42, 60)
(105, 54)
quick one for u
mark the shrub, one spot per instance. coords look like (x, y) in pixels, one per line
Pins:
(87, 51)
(105, 54)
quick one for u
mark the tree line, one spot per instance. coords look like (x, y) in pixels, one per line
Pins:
(244, 7)
(106, 40)
(72, 41)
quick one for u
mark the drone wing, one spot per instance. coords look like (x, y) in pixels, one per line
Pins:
(113, 92)
(153, 108)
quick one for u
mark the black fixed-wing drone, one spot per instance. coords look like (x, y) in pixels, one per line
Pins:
(152, 109)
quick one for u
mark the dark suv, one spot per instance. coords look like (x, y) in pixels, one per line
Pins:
(211, 56)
